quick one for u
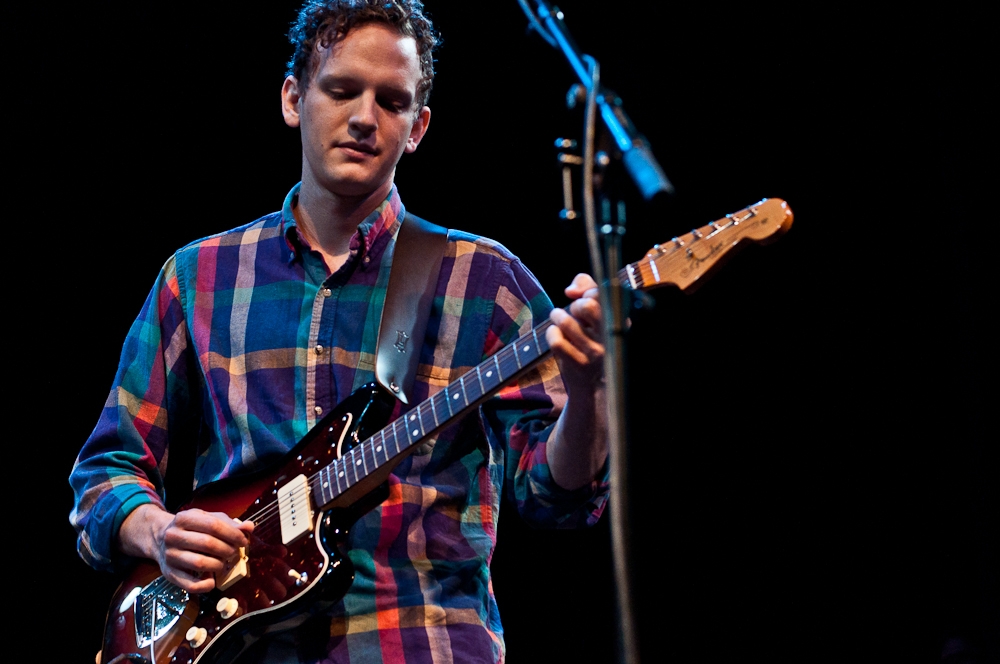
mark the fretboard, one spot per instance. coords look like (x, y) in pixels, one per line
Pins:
(432, 415)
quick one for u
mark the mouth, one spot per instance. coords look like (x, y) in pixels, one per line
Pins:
(351, 147)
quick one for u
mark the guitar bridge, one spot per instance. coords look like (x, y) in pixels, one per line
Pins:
(157, 607)
(295, 507)
(237, 571)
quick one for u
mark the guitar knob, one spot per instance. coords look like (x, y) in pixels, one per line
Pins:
(227, 607)
(196, 636)
(300, 579)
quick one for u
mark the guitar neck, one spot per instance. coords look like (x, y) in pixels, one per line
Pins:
(687, 259)
(430, 416)
(680, 262)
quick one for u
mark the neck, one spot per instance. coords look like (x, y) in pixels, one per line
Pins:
(328, 221)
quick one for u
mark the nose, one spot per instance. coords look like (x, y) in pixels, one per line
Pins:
(364, 115)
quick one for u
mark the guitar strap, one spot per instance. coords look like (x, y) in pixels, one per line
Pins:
(416, 262)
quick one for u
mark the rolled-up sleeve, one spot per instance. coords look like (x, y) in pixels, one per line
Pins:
(122, 463)
(522, 416)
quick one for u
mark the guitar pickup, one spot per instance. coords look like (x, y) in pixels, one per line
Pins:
(295, 508)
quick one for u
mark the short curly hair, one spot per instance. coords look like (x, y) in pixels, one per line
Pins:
(322, 23)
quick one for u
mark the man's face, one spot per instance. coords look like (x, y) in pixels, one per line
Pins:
(357, 116)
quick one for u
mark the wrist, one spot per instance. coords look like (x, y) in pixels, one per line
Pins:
(142, 531)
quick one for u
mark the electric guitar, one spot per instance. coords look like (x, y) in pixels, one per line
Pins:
(295, 564)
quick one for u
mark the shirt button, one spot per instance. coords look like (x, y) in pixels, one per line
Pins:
(319, 350)
(327, 292)
(319, 410)
(368, 259)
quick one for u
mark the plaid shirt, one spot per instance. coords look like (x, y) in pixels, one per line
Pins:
(245, 341)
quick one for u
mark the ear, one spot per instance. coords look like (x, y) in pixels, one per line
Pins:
(290, 97)
(418, 129)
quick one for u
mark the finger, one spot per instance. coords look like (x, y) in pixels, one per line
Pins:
(197, 563)
(580, 330)
(581, 325)
(581, 284)
(188, 581)
(587, 312)
(276, 586)
(215, 524)
(569, 337)
(179, 539)
(247, 527)
(231, 530)
(562, 348)
(193, 572)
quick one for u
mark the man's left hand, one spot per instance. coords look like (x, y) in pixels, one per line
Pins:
(576, 338)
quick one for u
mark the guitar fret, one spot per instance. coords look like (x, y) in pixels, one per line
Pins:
(324, 485)
(392, 431)
(427, 418)
(436, 405)
(473, 390)
(440, 404)
(408, 440)
(364, 463)
(447, 400)
(413, 430)
(354, 465)
(479, 375)
(434, 413)
(414, 419)
(316, 483)
(342, 476)
(456, 398)
(504, 361)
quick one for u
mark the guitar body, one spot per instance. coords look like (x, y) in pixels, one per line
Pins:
(280, 584)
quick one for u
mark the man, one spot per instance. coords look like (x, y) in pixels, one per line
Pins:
(250, 336)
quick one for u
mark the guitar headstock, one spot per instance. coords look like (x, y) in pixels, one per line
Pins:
(685, 259)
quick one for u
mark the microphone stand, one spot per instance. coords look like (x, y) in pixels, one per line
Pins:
(649, 178)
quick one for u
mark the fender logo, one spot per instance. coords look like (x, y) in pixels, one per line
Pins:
(401, 338)
(694, 262)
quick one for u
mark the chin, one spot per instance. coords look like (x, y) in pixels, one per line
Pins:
(343, 184)
(354, 190)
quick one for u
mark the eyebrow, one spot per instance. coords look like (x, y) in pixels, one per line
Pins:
(384, 94)
(332, 79)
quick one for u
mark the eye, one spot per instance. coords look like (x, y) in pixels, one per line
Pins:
(394, 105)
(341, 93)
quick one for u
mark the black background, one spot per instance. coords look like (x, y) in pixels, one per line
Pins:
(813, 471)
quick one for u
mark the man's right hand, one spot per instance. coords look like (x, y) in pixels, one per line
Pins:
(190, 546)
